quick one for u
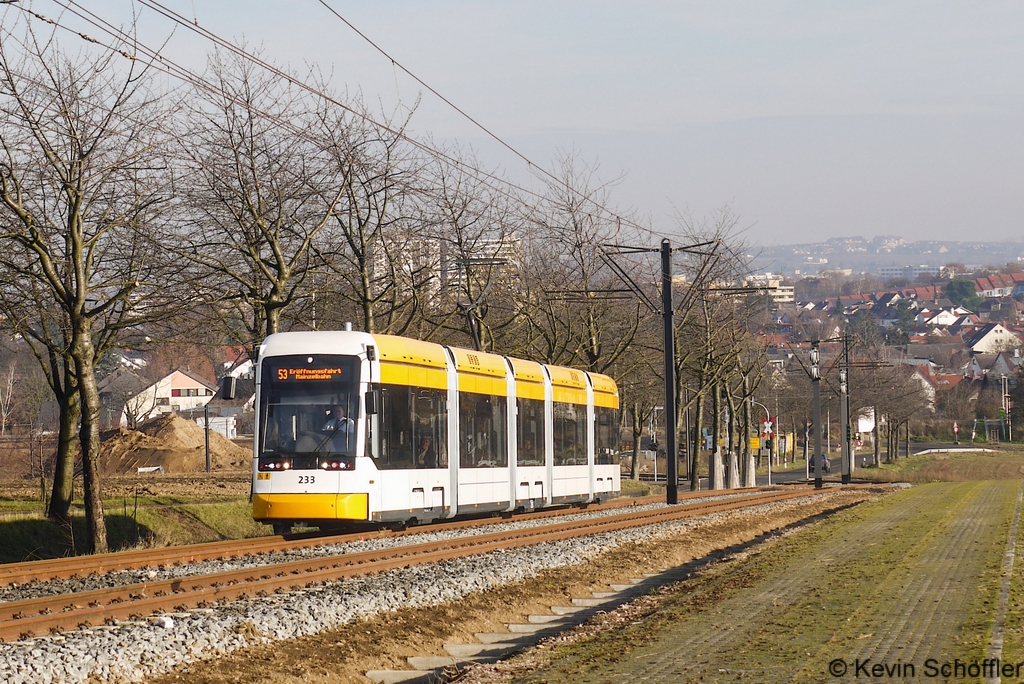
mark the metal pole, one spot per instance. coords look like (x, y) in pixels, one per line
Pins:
(844, 425)
(844, 412)
(206, 424)
(672, 484)
(819, 463)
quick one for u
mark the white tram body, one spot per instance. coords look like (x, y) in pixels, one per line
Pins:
(429, 432)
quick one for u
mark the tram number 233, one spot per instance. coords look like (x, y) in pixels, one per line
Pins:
(307, 479)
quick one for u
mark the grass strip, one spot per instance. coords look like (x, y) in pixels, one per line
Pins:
(826, 592)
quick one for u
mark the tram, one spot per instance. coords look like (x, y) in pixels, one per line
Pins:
(353, 427)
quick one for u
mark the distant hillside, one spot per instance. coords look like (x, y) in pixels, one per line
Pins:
(861, 255)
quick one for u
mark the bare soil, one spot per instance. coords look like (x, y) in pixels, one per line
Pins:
(383, 642)
(185, 487)
(171, 442)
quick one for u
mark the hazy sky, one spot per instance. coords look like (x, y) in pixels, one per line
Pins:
(810, 119)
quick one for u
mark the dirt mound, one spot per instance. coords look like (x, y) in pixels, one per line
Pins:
(169, 441)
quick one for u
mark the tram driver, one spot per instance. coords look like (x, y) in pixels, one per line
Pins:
(338, 422)
(425, 455)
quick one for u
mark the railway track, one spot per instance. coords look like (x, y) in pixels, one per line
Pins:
(38, 616)
(62, 568)
(78, 566)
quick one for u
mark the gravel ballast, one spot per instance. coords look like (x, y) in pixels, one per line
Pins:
(131, 651)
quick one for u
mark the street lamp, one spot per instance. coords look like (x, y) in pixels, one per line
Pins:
(771, 447)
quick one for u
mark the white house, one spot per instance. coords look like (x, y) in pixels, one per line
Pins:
(941, 317)
(176, 392)
(990, 339)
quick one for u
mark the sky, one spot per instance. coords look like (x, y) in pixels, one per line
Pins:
(807, 119)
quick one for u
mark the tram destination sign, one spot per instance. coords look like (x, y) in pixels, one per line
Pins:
(301, 374)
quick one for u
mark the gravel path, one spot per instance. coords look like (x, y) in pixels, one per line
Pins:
(137, 650)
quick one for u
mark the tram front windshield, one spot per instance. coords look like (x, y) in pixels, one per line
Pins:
(308, 406)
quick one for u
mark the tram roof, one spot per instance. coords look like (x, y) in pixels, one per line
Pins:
(603, 383)
(567, 377)
(406, 350)
(482, 363)
(530, 371)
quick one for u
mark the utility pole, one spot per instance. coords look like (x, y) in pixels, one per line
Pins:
(844, 412)
(818, 456)
(672, 483)
(206, 431)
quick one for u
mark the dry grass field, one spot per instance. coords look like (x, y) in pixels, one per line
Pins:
(1005, 462)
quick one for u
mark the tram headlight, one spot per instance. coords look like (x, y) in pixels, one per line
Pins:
(277, 464)
(337, 464)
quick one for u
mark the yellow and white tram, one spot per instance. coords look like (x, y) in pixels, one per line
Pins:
(353, 427)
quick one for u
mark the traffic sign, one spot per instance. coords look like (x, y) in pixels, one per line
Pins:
(767, 427)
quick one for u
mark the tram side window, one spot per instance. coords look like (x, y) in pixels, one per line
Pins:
(530, 437)
(413, 428)
(430, 427)
(482, 431)
(570, 434)
(606, 435)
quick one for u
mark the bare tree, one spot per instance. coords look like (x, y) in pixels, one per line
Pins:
(6, 396)
(380, 259)
(476, 235)
(571, 320)
(81, 186)
(257, 194)
(712, 334)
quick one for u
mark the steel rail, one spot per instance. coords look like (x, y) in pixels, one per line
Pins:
(69, 611)
(63, 568)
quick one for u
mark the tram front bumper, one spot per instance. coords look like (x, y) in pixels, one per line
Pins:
(310, 507)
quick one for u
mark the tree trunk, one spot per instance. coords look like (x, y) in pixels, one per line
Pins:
(89, 437)
(749, 467)
(715, 463)
(634, 470)
(807, 439)
(733, 481)
(792, 449)
(888, 441)
(874, 437)
(698, 426)
(62, 493)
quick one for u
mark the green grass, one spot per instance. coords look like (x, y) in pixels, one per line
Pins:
(845, 599)
(191, 523)
(638, 488)
(1013, 637)
(1007, 463)
(791, 464)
